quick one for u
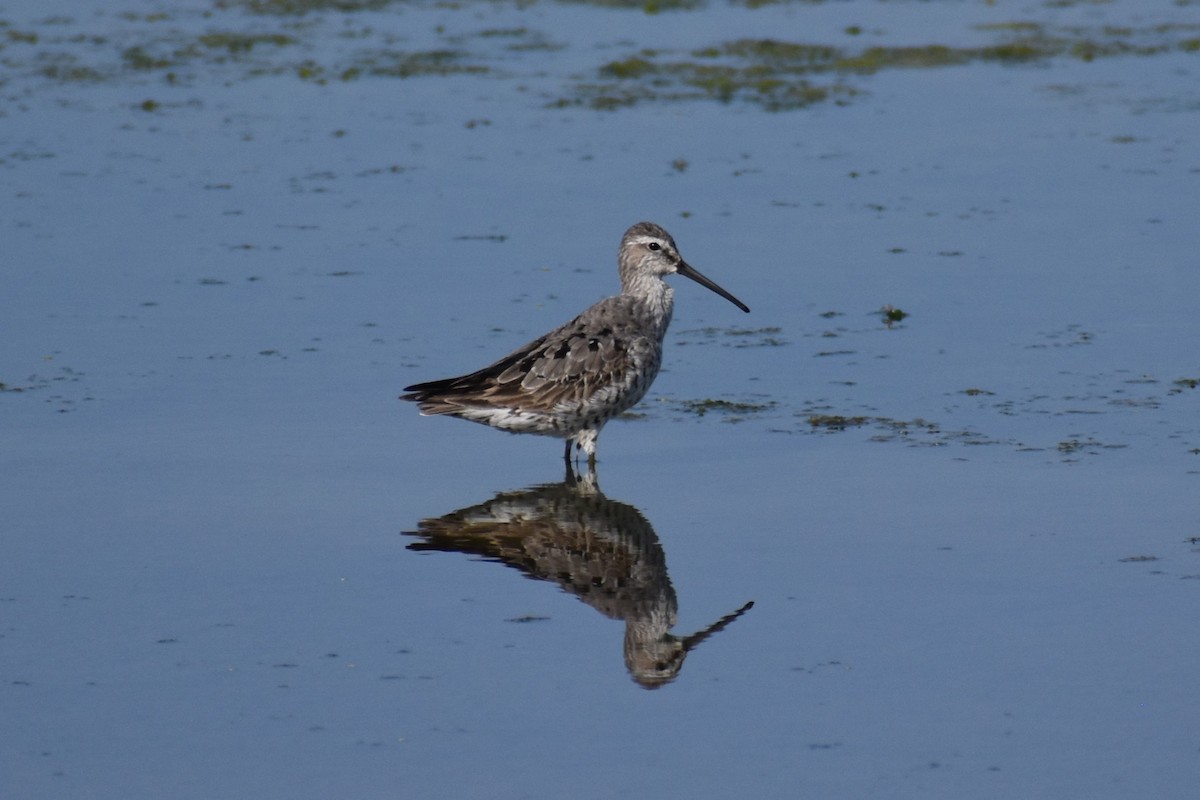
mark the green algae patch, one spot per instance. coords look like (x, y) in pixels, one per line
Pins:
(138, 58)
(236, 43)
(645, 6)
(836, 422)
(1178, 386)
(177, 56)
(765, 72)
(301, 7)
(392, 64)
(780, 75)
(429, 62)
(773, 74)
(732, 410)
(891, 316)
(68, 71)
(1074, 445)
(770, 336)
(632, 67)
(913, 433)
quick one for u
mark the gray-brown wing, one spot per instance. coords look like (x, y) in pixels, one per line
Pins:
(571, 365)
(568, 365)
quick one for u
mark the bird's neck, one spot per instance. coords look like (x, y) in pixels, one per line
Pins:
(655, 297)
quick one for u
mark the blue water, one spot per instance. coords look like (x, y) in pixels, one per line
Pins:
(211, 579)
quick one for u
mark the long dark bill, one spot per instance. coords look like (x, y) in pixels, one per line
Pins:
(688, 271)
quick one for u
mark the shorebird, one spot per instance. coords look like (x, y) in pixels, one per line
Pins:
(571, 381)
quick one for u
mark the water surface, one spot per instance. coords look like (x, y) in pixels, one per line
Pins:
(232, 232)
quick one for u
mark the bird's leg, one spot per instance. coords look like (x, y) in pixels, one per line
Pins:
(585, 440)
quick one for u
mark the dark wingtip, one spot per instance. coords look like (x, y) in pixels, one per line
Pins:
(419, 391)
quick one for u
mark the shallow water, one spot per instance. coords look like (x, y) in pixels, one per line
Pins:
(230, 238)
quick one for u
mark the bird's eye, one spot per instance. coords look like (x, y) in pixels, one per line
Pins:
(655, 246)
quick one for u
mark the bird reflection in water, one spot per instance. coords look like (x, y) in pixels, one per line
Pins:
(603, 552)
